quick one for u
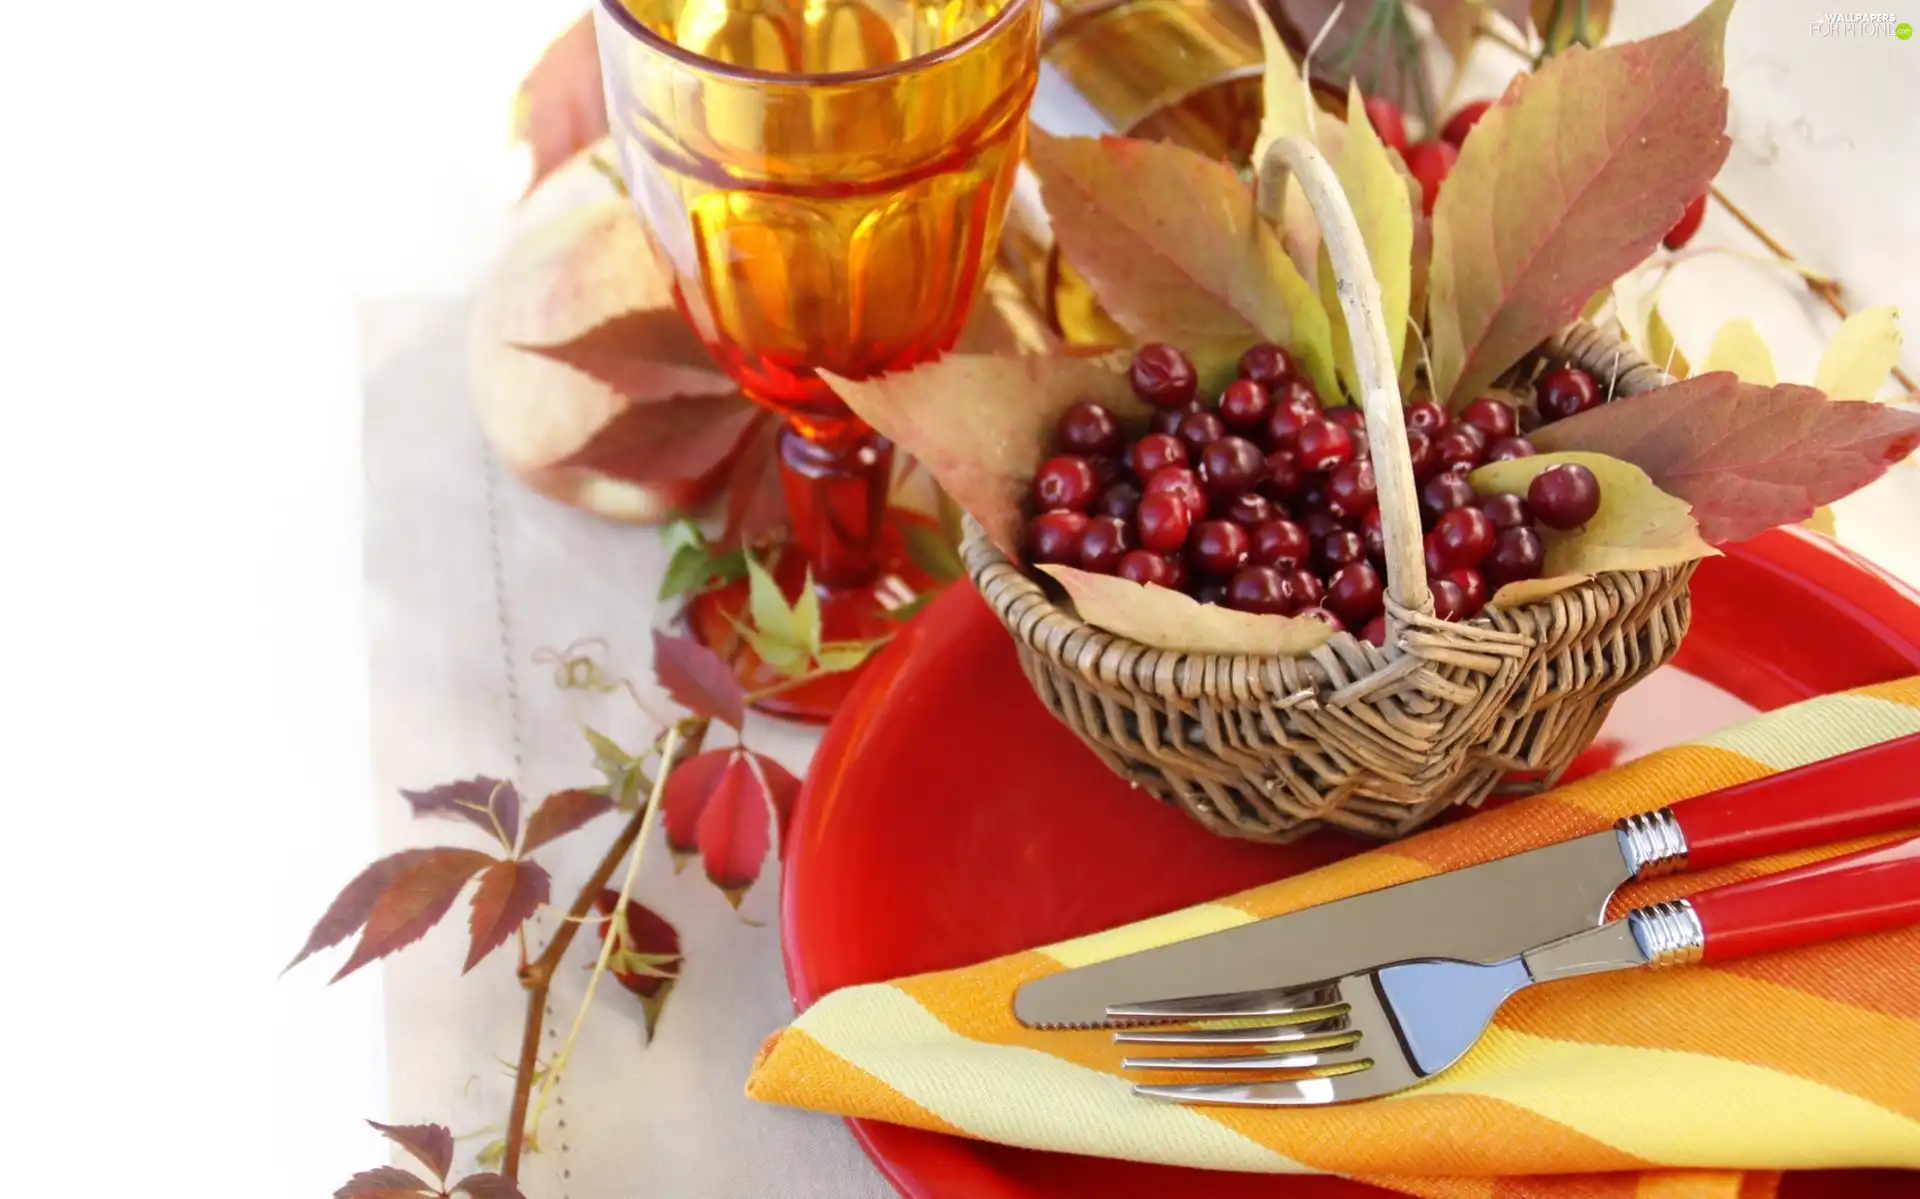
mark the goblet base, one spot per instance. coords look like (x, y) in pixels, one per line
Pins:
(847, 613)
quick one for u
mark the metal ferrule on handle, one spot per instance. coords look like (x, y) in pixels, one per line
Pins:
(1669, 934)
(1653, 843)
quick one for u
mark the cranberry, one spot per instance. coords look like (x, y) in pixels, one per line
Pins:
(1426, 416)
(1218, 547)
(1231, 465)
(1139, 566)
(1210, 591)
(1089, 430)
(1351, 490)
(1465, 536)
(1384, 115)
(1429, 163)
(1279, 543)
(1248, 509)
(1182, 484)
(1313, 498)
(1288, 415)
(1163, 376)
(1688, 224)
(1308, 590)
(1323, 445)
(1167, 420)
(1564, 496)
(1374, 534)
(1154, 451)
(1065, 482)
(1119, 499)
(1284, 478)
(1267, 365)
(1341, 547)
(1106, 471)
(1567, 391)
(1444, 493)
(1355, 591)
(1054, 537)
(1449, 602)
(1462, 122)
(1517, 554)
(1324, 617)
(1260, 589)
(1104, 541)
(1435, 556)
(1376, 630)
(1362, 445)
(1243, 405)
(1420, 453)
(1493, 417)
(1164, 521)
(1459, 448)
(1349, 417)
(1318, 524)
(1509, 448)
(1507, 512)
(1473, 589)
(1197, 429)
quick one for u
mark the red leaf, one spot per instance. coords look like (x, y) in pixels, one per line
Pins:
(562, 108)
(431, 1143)
(783, 789)
(471, 800)
(698, 680)
(648, 933)
(735, 831)
(561, 813)
(349, 909)
(689, 787)
(669, 440)
(413, 903)
(508, 894)
(756, 504)
(383, 1182)
(644, 354)
(488, 1186)
(1747, 457)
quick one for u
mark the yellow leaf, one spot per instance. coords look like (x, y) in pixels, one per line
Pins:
(1382, 208)
(1638, 526)
(1821, 521)
(1525, 591)
(1863, 352)
(1167, 619)
(1289, 108)
(772, 618)
(1661, 348)
(1738, 348)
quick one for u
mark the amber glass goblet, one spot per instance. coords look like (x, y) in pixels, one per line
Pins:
(824, 182)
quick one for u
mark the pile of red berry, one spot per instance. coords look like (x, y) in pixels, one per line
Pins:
(1264, 501)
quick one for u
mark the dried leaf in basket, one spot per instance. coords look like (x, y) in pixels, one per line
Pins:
(980, 424)
(1569, 181)
(1289, 109)
(1168, 619)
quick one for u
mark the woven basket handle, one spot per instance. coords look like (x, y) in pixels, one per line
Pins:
(1373, 360)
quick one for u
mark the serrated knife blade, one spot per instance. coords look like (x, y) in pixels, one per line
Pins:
(1482, 913)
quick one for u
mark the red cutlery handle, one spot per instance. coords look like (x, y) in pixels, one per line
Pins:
(1871, 790)
(1846, 896)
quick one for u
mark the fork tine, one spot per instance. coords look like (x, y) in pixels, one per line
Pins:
(1336, 1055)
(1299, 1092)
(1316, 1000)
(1265, 1034)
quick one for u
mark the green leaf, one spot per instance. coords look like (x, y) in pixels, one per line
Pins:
(931, 551)
(1863, 352)
(785, 658)
(681, 533)
(1737, 347)
(836, 656)
(689, 567)
(806, 615)
(768, 607)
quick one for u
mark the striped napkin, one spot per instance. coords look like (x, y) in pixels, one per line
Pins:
(1700, 1081)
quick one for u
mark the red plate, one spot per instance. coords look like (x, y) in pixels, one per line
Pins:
(948, 819)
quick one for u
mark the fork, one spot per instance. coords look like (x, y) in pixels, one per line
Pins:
(1383, 1030)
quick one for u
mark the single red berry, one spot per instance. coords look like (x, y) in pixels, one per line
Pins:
(1308, 589)
(1119, 499)
(1181, 483)
(1243, 406)
(1054, 537)
(1164, 520)
(1065, 482)
(1218, 547)
(1443, 493)
(1507, 512)
(1449, 602)
(1688, 224)
(1267, 365)
(1324, 617)
(1462, 122)
(1351, 490)
(1429, 164)
(1197, 429)
(1279, 543)
(1089, 430)
(1154, 451)
(1375, 630)
(1459, 448)
(1284, 477)
(1339, 548)
(1231, 465)
(1323, 445)
(1465, 536)
(1167, 420)
(1349, 417)
(1435, 556)
(1260, 589)
(1354, 593)
(1426, 416)
(1362, 445)
(1140, 566)
(1566, 391)
(1491, 416)
(1564, 496)
(1248, 509)
(1384, 115)
(1290, 411)
(1104, 541)
(1517, 554)
(1318, 523)
(1509, 448)
(1473, 590)
(1211, 591)
(1420, 453)
(1163, 376)
(1374, 534)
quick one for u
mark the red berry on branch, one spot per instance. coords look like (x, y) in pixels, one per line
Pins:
(1248, 509)
(1449, 602)
(1140, 566)
(1462, 122)
(1517, 554)
(1163, 376)
(1279, 543)
(1260, 589)
(1218, 547)
(1429, 163)
(1688, 224)
(1230, 465)
(1509, 448)
(1473, 590)
(1420, 453)
(1426, 416)
(1464, 535)
(1243, 406)
(1267, 365)
(1284, 477)
(1507, 512)
(1104, 541)
(1355, 592)
(1164, 520)
(1119, 499)
(1323, 445)
(1564, 496)
(1443, 493)
(1352, 490)
(1089, 430)
(1385, 117)
(1566, 391)
(1197, 429)
(1065, 482)
(1054, 537)
(1181, 483)
(1155, 451)
(1492, 417)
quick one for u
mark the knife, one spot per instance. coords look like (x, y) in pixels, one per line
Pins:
(1492, 911)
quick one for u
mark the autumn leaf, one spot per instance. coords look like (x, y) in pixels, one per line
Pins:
(735, 830)
(1172, 247)
(688, 788)
(1569, 181)
(1638, 526)
(1560, 22)
(562, 813)
(1746, 457)
(782, 787)
(1288, 109)
(1661, 347)
(756, 502)
(491, 805)
(646, 956)
(1738, 347)
(1361, 43)
(384, 1182)
(1168, 619)
(981, 425)
(698, 680)
(509, 893)
(432, 1144)
(1383, 209)
(488, 1186)
(1863, 352)
(349, 910)
(561, 108)
(413, 902)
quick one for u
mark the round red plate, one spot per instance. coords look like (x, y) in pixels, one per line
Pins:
(948, 819)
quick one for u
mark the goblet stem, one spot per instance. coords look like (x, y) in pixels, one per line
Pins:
(837, 499)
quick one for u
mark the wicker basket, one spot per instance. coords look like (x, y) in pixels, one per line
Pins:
(1374, 740)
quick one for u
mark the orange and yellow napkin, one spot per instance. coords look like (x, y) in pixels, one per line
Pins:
(1701, 1081)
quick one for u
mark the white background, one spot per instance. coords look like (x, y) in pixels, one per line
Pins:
(194, 197)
